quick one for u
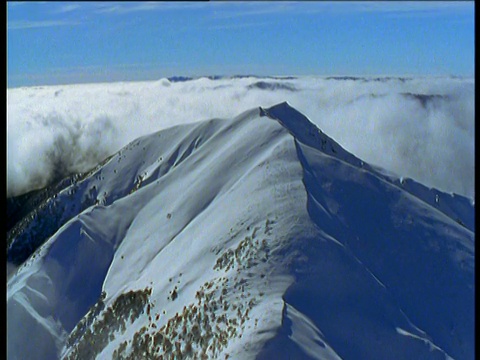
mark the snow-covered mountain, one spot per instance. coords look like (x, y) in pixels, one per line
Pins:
(253, 237)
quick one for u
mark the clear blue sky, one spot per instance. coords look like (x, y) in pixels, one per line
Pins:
(70, 42)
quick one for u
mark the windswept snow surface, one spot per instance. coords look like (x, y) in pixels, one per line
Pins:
(252, 237)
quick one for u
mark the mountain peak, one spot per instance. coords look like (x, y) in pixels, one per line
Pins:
(294, 121)
(306, 132)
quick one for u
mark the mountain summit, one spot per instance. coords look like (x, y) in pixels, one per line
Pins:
(253, 237)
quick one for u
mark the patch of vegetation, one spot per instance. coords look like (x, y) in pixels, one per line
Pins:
(93, 333)
(248, 253)
(201, 331)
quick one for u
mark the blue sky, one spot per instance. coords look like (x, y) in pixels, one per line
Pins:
(70, 42)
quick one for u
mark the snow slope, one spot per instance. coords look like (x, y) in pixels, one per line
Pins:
(253, 237)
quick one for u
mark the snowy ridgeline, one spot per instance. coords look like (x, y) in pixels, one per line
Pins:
(254, 237)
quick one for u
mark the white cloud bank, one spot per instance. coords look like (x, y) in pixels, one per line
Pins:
(421, 128)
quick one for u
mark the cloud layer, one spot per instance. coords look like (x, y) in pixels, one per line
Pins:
(421, 128)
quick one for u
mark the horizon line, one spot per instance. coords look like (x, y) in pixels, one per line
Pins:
(213, 77)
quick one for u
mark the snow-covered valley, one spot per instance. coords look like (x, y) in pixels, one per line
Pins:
(252, 237)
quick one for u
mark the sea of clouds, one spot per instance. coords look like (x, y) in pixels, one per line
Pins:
(422, 127)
